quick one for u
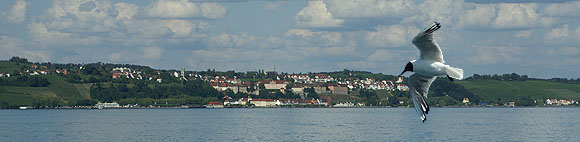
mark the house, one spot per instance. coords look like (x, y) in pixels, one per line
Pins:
(564, 102)
(215, 104)
(465, 100)
(274, 84)
(337, 89)
(399, 79)
(116, 75)
(551, 101)
(511, 104)
(346, 104)
(402, 87)
(108, 105)
(263, 102)
(298, 88)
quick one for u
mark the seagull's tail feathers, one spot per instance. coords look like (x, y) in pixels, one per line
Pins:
(456, 73)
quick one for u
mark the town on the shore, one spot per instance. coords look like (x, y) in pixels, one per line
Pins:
(134, 86)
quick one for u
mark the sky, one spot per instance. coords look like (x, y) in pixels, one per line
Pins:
(536, 38)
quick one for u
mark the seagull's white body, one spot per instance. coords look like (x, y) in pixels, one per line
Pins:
(427, 68)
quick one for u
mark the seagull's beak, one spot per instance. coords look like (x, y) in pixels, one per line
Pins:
(402, 73)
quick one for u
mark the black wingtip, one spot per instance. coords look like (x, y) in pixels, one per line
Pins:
(450, 78)
(433, 28)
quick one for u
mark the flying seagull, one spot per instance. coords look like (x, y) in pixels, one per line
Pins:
(427, 68)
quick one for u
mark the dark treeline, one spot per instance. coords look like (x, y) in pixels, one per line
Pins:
(509, 77)
(517, 77)
(109, 92)
(25, 81)
(346, 74)
(443, 87)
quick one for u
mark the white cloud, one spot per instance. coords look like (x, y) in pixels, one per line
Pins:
(39, 32)
(152, 52)
(274, 5)
(517, 16)
(316, 15)
(357, 65)
(7, 42)
(213, 10)
(301, 32)
(524, 34)
(481, 16)
(18, 12)
(184, 28)
(496, 54)
(567, 9)
(309, 38)
(231, 40)
(370, 8)
(383, 55)
(80, 16)
(126, 10)
(392, 36)
(184, 9)
(170, 28)
(443, 11)
(558, 33)
(10, 47)
(567, 51)
(115, 56)
(577, 32)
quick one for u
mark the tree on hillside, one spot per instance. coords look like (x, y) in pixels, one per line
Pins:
(35, 81)
(369, 97)
(525, 101)
(19, 60)
(443, 87)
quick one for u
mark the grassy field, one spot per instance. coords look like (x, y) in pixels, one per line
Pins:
(10, 67)
(61, 90)
(491, 90)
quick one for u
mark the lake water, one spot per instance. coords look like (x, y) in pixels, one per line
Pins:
(291, 124)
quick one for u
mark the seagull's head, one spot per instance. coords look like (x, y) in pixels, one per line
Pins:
(408, 67)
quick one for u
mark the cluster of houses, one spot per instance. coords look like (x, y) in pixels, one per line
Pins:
(321, 83)
(373, 84)
(253, 102)
(561, 102)
(367, 83)
(36, 70)
(127, 73)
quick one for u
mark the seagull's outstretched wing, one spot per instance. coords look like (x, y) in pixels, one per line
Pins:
(418, 89)
(430, 51)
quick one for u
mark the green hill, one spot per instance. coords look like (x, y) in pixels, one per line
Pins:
(497, 91)
(60, 91)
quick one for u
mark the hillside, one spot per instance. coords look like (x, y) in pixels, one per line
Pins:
(59, 92)
(23, 83)
(496, 91)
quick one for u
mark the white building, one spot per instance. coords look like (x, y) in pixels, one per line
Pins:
(108, 105)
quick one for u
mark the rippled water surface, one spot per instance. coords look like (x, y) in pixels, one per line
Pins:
(292, 124)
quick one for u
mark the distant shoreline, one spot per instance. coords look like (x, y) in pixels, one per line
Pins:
(203, 107)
